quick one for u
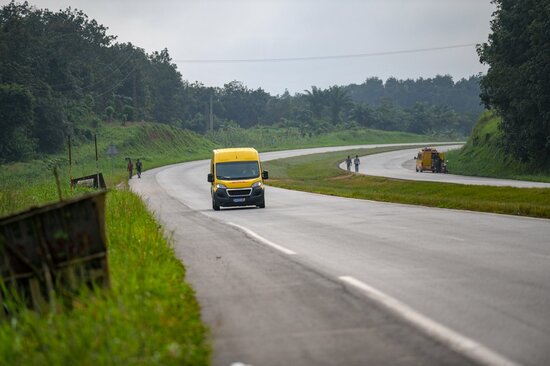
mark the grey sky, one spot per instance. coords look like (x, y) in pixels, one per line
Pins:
(252, 29)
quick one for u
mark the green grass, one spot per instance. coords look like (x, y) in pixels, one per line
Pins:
(21, 184)
(150, 316)
(319, 173)
(270, 138)
(483, 155)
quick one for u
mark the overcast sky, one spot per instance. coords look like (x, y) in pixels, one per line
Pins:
(267, 29)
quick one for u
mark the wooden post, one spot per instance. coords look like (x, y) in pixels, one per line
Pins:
(70, 162)
(96, 162)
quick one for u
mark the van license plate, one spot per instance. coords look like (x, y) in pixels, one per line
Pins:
(238, 199)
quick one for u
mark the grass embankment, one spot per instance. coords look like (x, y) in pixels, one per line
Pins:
(150, 316)
(483, 156)
(319, 173)
(21, 184)
(270, 138)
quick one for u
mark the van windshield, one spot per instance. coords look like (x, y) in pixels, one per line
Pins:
(237, 170)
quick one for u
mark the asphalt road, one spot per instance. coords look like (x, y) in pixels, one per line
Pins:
(401, 165)
(315, 279)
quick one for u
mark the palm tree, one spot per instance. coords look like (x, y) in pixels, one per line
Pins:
(361, 114)
(338, 99)
(316, 100)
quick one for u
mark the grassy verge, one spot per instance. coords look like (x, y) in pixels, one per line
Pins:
(150, 317)
(320, 174)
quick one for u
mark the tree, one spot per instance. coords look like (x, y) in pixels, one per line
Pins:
(361, 114)
(337, 100)
(316, 100)
(16, 115)
(517, 84)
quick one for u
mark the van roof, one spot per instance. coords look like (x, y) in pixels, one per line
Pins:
(235, 154)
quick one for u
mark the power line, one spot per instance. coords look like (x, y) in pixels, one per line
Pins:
(330, 57)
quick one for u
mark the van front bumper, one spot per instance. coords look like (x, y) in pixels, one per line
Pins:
(255, 198)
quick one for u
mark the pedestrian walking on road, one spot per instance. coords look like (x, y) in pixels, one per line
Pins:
(348, 163)
(356, 162)
(130, 168)
(138, 168)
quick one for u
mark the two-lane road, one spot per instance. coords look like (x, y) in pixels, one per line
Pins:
(277, 294)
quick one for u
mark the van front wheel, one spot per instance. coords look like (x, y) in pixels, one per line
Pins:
(261, 204)
(215, 205)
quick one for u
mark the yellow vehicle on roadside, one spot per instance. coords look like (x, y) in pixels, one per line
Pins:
(237, 178)
(430, 159)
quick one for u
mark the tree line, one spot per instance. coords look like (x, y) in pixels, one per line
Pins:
(62, 74)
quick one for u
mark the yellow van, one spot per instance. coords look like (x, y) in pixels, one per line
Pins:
(237, 178)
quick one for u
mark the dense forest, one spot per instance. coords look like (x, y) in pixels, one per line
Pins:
(62, 74)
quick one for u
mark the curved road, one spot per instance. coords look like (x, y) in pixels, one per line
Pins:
(401, 165)
(309, 280)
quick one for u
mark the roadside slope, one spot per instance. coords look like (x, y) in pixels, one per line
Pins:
(483, 155)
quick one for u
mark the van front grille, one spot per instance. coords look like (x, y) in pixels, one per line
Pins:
(239, 192)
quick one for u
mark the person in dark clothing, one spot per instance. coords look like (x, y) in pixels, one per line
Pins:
(348, 163)
(356, 162)
(130, 169)
(138, 168)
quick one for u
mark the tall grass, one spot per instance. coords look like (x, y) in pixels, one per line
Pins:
(149, 317)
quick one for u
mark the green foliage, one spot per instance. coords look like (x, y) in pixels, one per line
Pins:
(16, 104)
(483, 155)
(74, 73)
(319, 173)
(517, 84)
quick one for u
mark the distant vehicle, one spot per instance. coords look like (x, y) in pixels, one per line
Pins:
(237, 178)
(432, 160)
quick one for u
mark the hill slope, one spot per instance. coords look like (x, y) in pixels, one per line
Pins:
(483, 155)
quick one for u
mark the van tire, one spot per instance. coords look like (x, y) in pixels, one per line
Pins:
(261, 205)
(215, 205)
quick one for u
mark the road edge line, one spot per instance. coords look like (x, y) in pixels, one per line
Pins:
(263, 240)
(448, 337)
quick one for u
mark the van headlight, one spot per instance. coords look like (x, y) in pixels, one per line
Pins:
(257, 185)
(219, 185)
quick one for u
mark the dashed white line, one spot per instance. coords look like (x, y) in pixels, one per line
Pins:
(265, 241)
(444, 335)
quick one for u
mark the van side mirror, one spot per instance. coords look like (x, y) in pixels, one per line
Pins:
(210, 178)
(265, 174)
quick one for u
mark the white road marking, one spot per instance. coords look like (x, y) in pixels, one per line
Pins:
(253, 235)
(444, 335)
